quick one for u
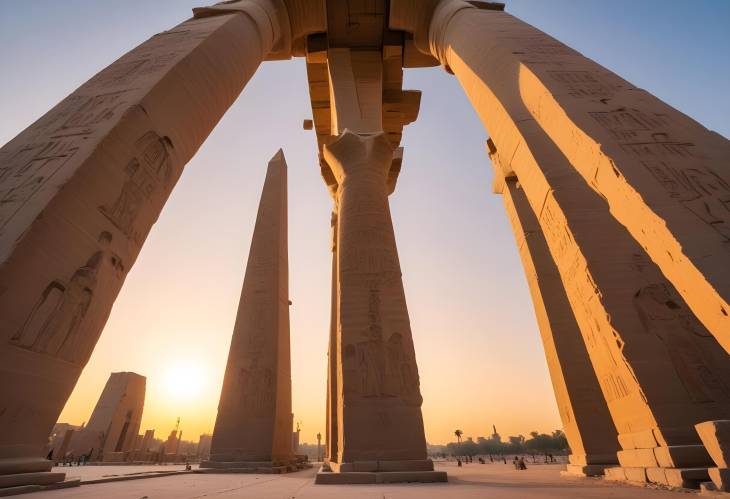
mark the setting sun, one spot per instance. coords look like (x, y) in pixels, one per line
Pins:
(183, 381)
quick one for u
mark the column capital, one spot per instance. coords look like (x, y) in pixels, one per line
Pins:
(426, 20)
(353, 153)
(271, 17)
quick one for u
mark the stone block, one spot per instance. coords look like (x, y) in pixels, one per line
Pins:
(39, 478)
(585, 469)
(642, 458)
(589, 459)
(616, 473)
(23, 489)
(348, 477)
(689, 478)
(638, 440)
(721, 478)
(10, 466)
(410, 465)
(635, 474)
(682, 456)
(716, 437)
(411, 476)
(626, 474)
(358, 477)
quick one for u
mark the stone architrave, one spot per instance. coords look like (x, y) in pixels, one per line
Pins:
(254, 424)
(80, 189)
(586, 419)
(665, 176)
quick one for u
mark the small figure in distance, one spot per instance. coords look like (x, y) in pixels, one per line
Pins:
(458, 462)
(522, 465)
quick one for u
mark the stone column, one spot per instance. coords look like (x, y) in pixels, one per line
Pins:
(253, 428)
(379, 399)
(663, 175)
(586, 420)
(332, 381)
(659, 369)
(79, 191)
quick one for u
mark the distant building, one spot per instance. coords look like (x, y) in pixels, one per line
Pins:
(114, 424)
(203, 451)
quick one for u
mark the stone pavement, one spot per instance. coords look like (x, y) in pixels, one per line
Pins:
(91, 472)
(496, 481)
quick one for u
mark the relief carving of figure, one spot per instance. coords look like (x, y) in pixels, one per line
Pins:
(402, 375)
(661, 315)
(148, 175)
(55, 326)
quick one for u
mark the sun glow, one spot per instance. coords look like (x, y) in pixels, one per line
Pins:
(183, 382)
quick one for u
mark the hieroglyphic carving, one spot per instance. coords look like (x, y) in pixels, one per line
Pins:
(586, 83)
(56, 324)
(149, 176)
(27, 171)
(664, 315)
(699, 189)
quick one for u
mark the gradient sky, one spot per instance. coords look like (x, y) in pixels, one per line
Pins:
(477, 344)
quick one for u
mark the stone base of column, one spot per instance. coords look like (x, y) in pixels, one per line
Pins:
(361, 472)
(22, 475)
(572, 470)
(687, 478)
(673, 456)
(264, 467)
(28, 488)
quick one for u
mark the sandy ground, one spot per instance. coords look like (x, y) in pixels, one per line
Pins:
(493, 481)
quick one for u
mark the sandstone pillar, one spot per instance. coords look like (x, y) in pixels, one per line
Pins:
(253, 428)
(663, 175)
(80, 189)
(332, 379)
(586, 420)
(375, 422)
(659, 369)
(378, 399)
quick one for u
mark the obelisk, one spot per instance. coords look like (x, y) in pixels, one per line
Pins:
(254, 424)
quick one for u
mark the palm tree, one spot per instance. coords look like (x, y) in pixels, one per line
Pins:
(458, 434)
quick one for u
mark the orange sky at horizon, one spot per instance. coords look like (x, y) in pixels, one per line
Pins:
(477, 344)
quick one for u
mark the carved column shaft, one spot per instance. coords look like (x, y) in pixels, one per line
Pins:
(379, 400)
(80, 190)
(586, 419)
(664, 175)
